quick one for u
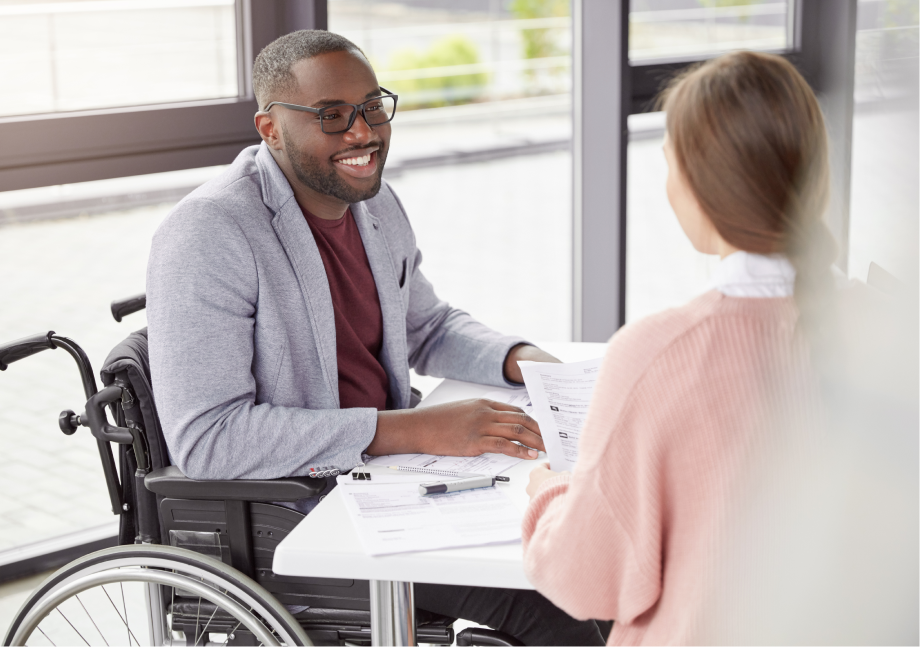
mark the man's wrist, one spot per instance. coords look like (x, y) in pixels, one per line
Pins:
(510, 369)
(523, 352)
(389, 436)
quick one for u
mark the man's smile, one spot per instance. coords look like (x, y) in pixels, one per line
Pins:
(361, 163)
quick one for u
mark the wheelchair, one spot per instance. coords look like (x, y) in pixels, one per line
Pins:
(194, 560)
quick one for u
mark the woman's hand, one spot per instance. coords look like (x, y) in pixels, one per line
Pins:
(540, 473)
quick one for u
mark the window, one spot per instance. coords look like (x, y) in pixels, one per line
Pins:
(480, 150)
(66, 272)
(884, 207)
(70, 56)
(672, 29)
(663, 270)
(108, 88)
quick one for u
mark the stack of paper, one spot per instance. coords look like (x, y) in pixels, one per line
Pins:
(485, 464)
(395, 518)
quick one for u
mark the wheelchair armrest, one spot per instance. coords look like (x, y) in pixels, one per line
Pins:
(171, 482)
(483, 636)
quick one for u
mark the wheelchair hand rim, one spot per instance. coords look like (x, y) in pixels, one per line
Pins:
(146, 575)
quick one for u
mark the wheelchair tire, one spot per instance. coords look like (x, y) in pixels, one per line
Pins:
(234, 606)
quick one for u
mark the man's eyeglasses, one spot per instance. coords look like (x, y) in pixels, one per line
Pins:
(341, 117)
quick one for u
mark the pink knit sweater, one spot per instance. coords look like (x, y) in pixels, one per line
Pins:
(683, 401)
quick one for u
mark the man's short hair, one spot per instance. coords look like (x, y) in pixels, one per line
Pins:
(271, 73)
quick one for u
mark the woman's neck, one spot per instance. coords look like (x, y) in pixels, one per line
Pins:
(723, 248)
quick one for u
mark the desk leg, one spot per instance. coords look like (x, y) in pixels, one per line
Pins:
(392, 613)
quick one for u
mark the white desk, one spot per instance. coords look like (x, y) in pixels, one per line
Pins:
(326, 544)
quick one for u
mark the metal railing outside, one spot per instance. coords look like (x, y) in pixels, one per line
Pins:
(498, 68)
(65, 56)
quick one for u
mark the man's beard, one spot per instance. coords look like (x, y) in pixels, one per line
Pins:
(324, 179)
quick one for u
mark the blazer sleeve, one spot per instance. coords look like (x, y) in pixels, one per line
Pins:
(202, 295)
(593, 539)
(447, 342)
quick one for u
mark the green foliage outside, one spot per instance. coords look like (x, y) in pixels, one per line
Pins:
(437, 91)
(901, 13)
(711, 4)
(540, 43)
(900, 42)
(726, 3)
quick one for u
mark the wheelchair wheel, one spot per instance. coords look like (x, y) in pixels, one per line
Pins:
(152, 595)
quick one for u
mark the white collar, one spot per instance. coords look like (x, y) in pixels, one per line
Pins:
(747, 275)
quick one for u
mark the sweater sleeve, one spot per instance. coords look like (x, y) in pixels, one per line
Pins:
(593, 539)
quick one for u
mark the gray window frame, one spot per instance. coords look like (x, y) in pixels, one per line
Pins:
(62, 148)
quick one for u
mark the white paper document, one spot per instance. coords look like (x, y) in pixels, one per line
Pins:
(561, 394)
(381, 475)
(485, 464)
(518, 397)
(397, 519)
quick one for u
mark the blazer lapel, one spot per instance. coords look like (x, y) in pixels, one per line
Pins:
(297, 240)
(394, 354)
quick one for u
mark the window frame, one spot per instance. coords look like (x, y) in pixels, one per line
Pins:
(62, 148)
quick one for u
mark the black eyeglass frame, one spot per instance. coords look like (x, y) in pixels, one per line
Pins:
(351, 122)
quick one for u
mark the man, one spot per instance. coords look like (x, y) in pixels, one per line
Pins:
(285, 306)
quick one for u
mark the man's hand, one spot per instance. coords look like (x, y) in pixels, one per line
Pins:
(463, 428)
(540, 473)
(520, 353)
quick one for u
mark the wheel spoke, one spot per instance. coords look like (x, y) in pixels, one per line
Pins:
(172, 606)
(197, 619)
(208, 624)
(46, 637)
(124, 606)
(230, 633)
(118, 613)
(91, 619)
(58, 609)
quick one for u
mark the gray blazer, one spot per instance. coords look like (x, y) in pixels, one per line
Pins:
(242, 334)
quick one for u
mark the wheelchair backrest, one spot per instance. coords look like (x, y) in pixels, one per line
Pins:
(128, 364)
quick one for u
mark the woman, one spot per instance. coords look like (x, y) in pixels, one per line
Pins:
(686, 399)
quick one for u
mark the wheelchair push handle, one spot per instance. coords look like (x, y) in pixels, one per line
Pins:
(94, 417)
(25, 347)
(129, 305)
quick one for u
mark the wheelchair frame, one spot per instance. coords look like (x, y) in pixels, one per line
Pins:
(143, 503)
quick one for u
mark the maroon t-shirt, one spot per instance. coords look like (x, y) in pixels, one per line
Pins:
(358, 320)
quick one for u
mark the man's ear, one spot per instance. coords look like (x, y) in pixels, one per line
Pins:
(269, 130)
